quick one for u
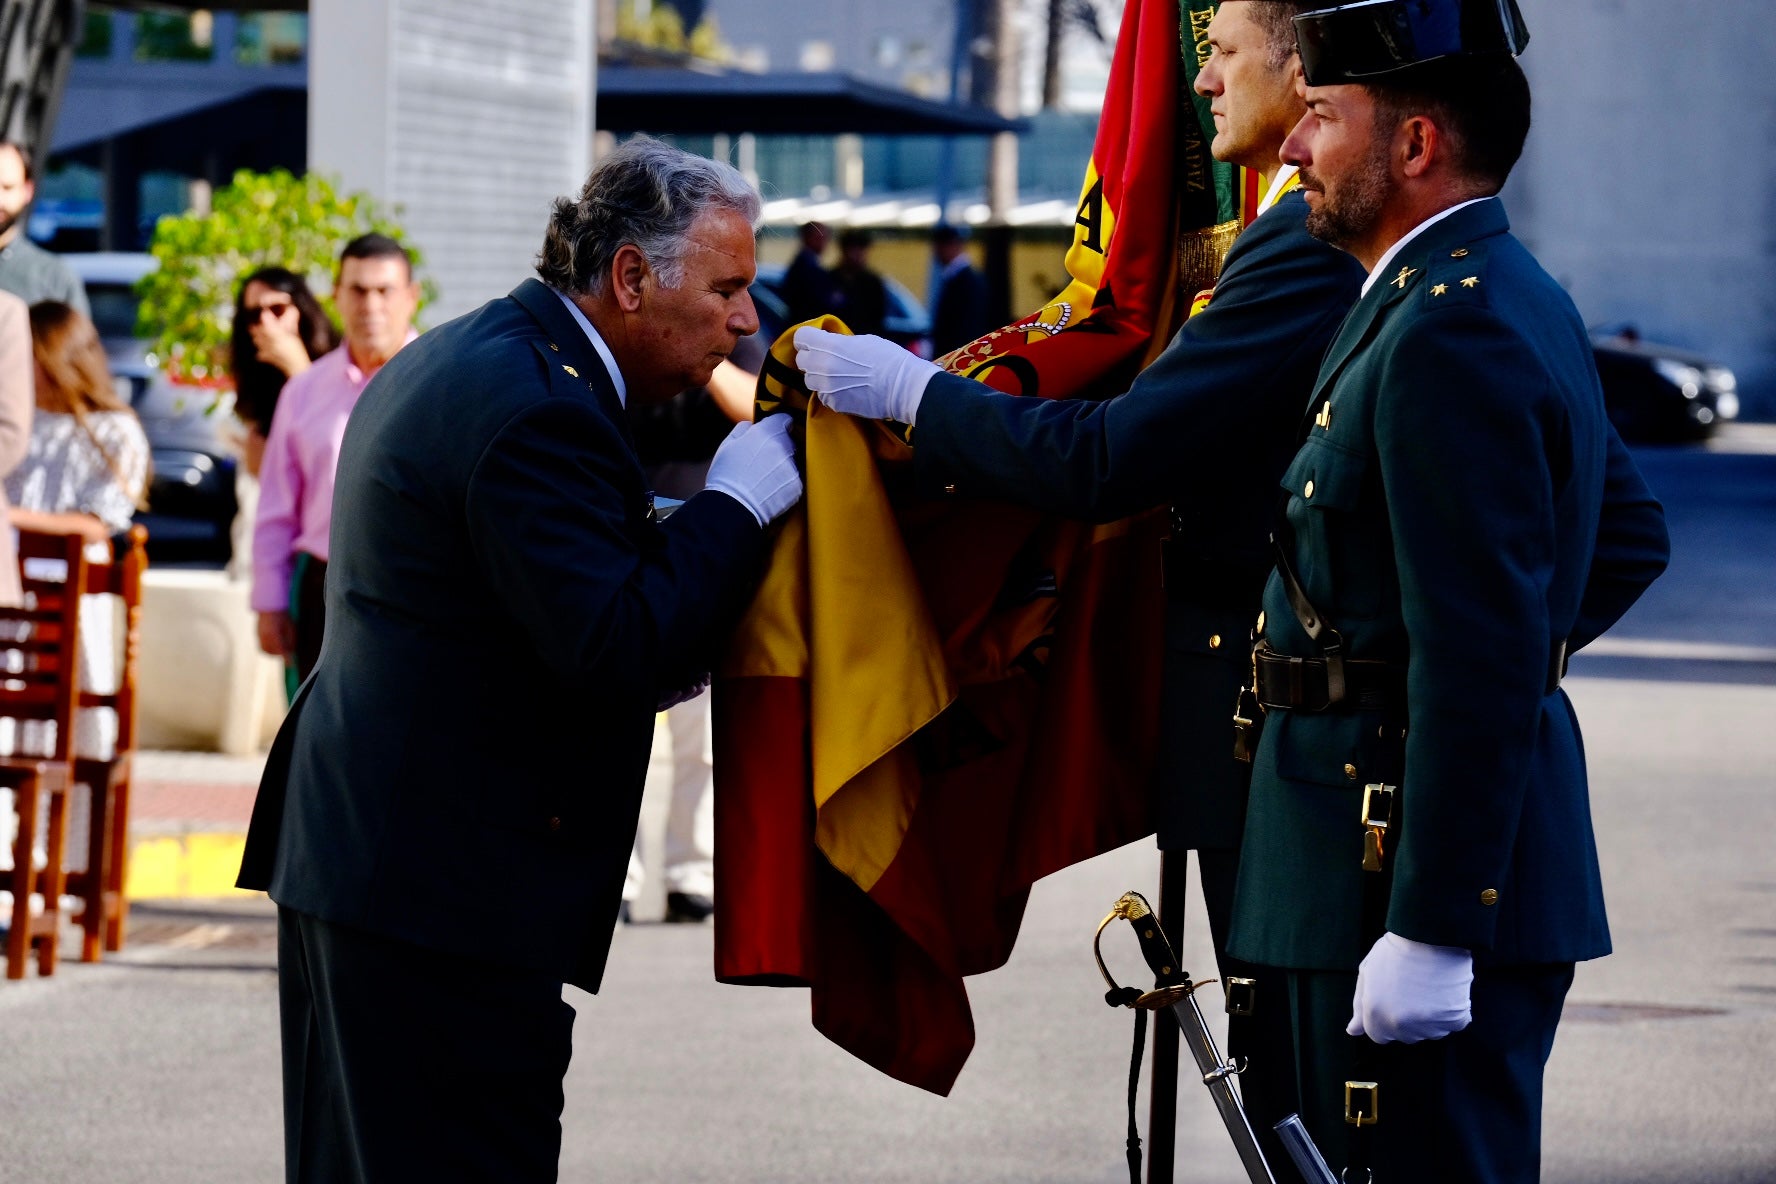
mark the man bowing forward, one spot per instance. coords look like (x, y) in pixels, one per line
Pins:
(446, 815)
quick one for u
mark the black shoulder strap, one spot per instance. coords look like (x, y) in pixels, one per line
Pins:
(1313, 623)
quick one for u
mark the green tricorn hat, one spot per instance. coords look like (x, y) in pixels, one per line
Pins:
(1372, 39)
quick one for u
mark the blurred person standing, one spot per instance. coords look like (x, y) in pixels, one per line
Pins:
(807, 285)
(959, 307)
(447, 812)
(862, 296)
(377, 298)
(26, 269)
(676, 442)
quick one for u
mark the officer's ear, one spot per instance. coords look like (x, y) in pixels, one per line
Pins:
(1420, 144)
(630, 276)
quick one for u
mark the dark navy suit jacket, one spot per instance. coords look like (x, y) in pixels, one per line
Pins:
(464, 768)
(1209, 428)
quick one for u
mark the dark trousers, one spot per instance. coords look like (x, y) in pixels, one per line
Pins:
(308, 608)
(402, 1063)
(1466, 1109)
(1263, 1041)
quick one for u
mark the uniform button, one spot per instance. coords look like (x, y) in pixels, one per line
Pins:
(1489, 897)
(1214, 641)
(950, 488)
(1351, 772)
(554, 824)
(1309, 490)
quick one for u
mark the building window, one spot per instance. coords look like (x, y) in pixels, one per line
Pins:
(271, 38)
(176, 36)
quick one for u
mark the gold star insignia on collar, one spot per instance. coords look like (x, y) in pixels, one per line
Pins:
(1406, 273)
(1472, 281)
(554, 347)
(1440, 290)
(572, 373)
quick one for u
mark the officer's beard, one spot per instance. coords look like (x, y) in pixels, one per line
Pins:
(1355, 211)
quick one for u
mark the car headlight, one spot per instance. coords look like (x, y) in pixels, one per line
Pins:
(1681, 375)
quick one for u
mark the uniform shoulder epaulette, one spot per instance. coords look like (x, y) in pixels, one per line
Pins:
(1456, 276)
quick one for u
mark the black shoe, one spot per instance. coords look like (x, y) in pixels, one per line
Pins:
(688, 907)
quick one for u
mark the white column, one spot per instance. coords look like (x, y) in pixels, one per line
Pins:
(471, 116)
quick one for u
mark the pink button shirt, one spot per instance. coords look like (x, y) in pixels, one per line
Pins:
(296, 476)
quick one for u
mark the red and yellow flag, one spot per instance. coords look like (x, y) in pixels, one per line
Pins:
(929, 706)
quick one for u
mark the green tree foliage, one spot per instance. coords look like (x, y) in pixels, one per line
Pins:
(259, 220)
(662, 28)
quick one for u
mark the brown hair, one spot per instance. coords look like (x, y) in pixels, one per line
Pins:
(73, 374)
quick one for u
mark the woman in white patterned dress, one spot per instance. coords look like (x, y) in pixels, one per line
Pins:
(86, 472)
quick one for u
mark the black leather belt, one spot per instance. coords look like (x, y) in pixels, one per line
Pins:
(1299, 684)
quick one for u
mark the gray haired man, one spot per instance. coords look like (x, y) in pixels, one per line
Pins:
(447, 814)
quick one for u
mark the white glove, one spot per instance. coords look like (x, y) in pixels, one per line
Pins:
(756, 467)
(1409, 991)
(865, 376)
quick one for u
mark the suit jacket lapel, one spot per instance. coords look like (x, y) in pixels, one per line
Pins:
(565, 334)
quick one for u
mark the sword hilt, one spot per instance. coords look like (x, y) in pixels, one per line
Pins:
(1155, 948)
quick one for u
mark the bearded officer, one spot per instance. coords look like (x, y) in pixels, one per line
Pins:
(1419, 848)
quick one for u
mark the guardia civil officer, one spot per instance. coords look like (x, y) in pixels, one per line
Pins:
(1418, 847)
(1208, 429)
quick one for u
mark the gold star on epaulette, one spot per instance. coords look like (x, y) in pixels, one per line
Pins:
(554, 348)
(1472, 281)
(571, 372)
(1406, 273)
(1440, 290)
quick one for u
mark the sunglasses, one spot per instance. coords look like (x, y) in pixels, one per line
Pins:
(275, 309)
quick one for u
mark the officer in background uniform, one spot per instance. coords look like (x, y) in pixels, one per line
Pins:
(1418, 847)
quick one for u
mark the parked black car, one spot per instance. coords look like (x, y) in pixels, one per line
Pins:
(191, 501)
(1658, 394)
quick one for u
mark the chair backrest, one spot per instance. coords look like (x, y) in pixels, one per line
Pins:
(122, 578)
(39, 647)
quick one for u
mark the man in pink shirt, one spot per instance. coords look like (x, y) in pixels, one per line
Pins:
(376, 297)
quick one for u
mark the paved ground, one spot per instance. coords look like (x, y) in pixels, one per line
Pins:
(161, 1064)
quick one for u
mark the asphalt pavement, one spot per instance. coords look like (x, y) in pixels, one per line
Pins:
(161, 1063)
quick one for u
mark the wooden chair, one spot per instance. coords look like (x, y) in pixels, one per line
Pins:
(39, 689)
(99, 886)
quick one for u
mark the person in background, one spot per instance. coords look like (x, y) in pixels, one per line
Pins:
(807, 285)
(862, 301)
(15, 436)
(377, 299)
(959, 307)
(279, 330)
(26, 269)
(85, 472)
(676, 440)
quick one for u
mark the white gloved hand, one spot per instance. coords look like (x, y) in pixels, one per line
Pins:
(756, 467)
(866, 376)
(1409, 991)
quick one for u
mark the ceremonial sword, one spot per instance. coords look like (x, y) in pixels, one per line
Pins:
(1174, 991)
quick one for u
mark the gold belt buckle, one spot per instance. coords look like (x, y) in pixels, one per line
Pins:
(1362, 1103)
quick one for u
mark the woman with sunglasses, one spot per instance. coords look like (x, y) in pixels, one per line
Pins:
(279, 329)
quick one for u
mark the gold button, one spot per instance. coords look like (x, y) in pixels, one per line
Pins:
(950, 488)
(1351, 772)
(1459, 253)
(1214, 641)
(1308, 491)
(1490, 896)
(554, 824)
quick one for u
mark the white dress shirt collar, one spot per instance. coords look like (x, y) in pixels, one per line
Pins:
(1382, 264)
(610, 360)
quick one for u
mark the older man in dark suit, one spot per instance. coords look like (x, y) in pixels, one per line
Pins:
(447, 814)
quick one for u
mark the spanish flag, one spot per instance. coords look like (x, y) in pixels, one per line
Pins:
(930, 706)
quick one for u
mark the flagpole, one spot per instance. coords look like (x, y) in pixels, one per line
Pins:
(1162, 1090)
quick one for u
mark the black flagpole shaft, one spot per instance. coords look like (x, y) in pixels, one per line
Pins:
(1162, 1094)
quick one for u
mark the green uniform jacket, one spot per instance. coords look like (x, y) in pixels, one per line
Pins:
(1208, 428)
(1459, 505)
